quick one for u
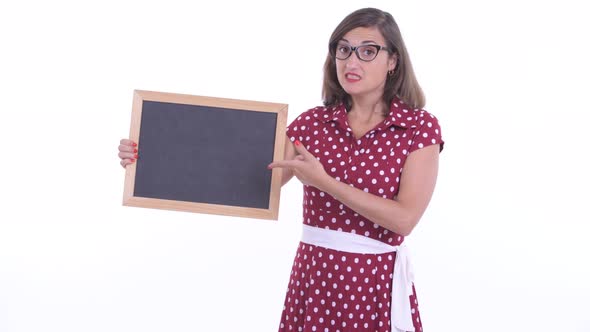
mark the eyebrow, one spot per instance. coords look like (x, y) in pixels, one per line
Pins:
(363, 42)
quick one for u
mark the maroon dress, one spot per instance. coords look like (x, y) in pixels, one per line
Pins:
(332, 290)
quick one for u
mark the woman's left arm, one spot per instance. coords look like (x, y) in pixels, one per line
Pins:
(399, 215)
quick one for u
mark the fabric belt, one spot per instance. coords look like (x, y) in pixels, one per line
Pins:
(403, 275)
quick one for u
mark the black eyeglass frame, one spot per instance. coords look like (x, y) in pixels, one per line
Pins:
(354, 49)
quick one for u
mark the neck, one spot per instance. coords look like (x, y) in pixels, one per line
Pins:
(367, 108)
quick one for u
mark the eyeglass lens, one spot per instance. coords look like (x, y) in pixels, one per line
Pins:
(364, 52)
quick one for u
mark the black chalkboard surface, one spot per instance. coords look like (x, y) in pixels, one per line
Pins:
(206, 155)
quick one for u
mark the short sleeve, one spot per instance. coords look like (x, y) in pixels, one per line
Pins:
(427, 132)
(300, 127)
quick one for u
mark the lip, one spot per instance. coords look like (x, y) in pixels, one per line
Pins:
(352, 77)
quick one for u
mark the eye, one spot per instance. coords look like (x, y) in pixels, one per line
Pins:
(368, 51)
(343, 49)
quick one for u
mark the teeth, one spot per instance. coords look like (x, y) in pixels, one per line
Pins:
(353, 76)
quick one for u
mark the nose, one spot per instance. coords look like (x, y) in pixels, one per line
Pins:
(353, 60)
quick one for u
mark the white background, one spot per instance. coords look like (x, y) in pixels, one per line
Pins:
(502, 247)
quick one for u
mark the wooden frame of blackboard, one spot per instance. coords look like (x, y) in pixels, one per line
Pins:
(245, 107)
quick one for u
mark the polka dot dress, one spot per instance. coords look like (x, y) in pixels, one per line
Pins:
(332, 290)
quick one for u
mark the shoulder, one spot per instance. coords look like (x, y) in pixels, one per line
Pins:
(318, 113)
(424, 118)
(405, 116)
(423, 126)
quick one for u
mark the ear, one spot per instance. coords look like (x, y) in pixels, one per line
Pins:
(392, 63)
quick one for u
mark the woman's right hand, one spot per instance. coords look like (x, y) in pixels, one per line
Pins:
(127, 152)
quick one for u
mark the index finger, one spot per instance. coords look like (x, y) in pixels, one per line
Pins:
(283, 164)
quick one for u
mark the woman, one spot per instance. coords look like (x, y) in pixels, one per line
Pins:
(368, 160)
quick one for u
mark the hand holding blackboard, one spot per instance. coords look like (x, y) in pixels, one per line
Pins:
(204, 154)
(127, 152)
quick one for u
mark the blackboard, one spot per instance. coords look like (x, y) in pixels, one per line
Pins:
(205, 154)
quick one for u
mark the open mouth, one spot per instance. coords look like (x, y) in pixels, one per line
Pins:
(352, 77)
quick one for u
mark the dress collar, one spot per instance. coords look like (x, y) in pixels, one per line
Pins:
(400, 115)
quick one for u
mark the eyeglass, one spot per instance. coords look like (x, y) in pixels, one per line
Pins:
(363, 52)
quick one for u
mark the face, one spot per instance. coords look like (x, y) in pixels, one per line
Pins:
(363, 78)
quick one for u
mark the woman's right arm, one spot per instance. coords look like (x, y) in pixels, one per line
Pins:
(127, 152)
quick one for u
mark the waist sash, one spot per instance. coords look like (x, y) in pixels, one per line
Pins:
(403, 276)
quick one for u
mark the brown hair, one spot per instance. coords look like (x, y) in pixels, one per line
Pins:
(402, 83)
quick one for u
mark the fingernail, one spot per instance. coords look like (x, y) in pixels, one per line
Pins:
(269, 167)
(132, 160)
(134, 150)
(136, 156)
(134, 144)
(297, 143)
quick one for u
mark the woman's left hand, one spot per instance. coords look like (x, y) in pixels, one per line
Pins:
(305, 167)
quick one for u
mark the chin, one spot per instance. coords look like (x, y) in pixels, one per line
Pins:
(353, 92)
(349, 88)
